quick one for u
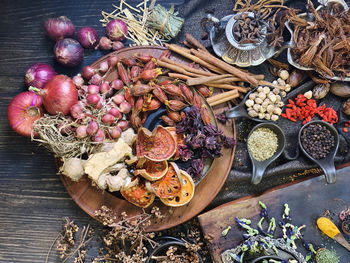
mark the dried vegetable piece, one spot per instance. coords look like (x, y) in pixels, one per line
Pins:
(168, 186)
(153, 171)
(186, 193)
(159, 145)
(137, 194)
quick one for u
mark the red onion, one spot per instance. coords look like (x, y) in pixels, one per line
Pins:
(92, 128)
(100, 136)
(125, 107)
(105, 43)
(105, 88)
(93, 89)
(108, 119)
(23, 110)
(78, 80)
(81, 132)
(118, 98)
(96, 79)
(38, 74)
(116, 30)
(123, 124)
(68, 52)
(77, 111)
(88, 72)
(112, 61)
(115, 112)
(59, 94)
(87, 37)
(117, 45)
(92, 99)
(99, 105)
(117, 84)
(103, 67)
(59, 28)
(115, 132)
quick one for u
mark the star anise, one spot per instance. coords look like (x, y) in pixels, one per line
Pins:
(277, 42)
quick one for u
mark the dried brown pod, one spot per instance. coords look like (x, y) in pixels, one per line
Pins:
(320, 91)
(341, 89)
(175, 105)
(159, 94)
(139, 104)
(295, 78)
(346, 107)
(205, 115)
(135, 120)
(140, 90)
(197, 101)
(187, 93)
(174, 115)
(172, 90)
(167, 120)
(204, 90)
(153, 105)
(135, 72)
(129, 61)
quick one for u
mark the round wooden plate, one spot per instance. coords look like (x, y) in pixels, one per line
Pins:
(90, 199)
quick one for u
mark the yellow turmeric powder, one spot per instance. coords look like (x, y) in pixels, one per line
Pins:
(327, 227)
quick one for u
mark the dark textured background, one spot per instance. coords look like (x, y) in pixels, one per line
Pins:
(32, 198)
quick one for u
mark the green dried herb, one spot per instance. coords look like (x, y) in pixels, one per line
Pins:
(262, 144)
(326, 256)
(167, 22)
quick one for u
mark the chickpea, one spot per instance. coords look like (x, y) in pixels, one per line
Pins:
(270, 108)
(277, 111)
(281, 82)
(262, 95)
(288, 88)
(253, 95)
(283, 93)
(252, 113)
(272, 97)
(276, 91)
(266, 90)
(261, 115)
(266, 103)
(283, 74)
(267, 116)
(258, 101)
(249, 103)
(260, 89)
(274, 117)
(256, 107)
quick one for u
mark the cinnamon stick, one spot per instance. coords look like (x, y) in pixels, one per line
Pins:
(176, 68)
(227, 86)
(180, 50)
(227, 80)
(194, 42)
(208, 58)
(188, 68)
(188, 44)
(202, 80)
(221, 96)
(178, 76)
(224, 100)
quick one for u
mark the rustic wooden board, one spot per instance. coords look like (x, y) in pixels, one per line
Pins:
(90, 199)
(307, 200)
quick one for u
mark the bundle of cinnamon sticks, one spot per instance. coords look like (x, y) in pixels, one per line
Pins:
(221, 74)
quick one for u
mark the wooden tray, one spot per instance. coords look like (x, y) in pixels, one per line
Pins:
(308, 199)
(90, 199)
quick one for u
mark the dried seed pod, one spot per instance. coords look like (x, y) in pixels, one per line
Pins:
(175, 105)
(128, 97)
(135, 72)
(205, 115)
(123, 74)
(204, 90)
(129, 61)
(180, 98)
(140, 90)
(153, 105)
(149, 74)
(139, 104)
(135, 120)
(159, 93)
(187, 93)
(197, 101)
(320, 91)
(172, 90)
(150, 64)
(144, 117)
(166, 82)
(144, 58)
(295, 78)
(167, 120)
(174, 115)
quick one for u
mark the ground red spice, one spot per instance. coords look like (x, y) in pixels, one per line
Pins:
(305, 109)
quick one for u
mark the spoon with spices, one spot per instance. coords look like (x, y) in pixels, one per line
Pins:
(266, 142)
(319, 141)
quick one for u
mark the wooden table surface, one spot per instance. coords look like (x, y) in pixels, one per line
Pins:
(32, 198)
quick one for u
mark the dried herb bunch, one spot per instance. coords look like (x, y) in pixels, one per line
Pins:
(247, 29)
(323, 43)
(176, 254)
(125, 239)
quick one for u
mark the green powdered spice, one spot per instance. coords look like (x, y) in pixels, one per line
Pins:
(262, 144)
(326, 256)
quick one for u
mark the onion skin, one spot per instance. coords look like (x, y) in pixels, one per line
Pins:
(59, 94)
(88, 37)
(116, 30)
(59, 28)
(23, 110)
(68, 52)
(38, 74)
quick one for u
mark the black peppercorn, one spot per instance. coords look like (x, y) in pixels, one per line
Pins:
(317, 140)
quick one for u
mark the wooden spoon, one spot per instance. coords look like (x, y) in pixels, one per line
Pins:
(330, 229)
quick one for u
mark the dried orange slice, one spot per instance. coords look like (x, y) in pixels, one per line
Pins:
(179, 138)
(153, 170)
(168, 186)
(137, 194)
(186, 193)
(157, 146)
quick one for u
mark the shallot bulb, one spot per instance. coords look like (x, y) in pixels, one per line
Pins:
(115, 132)
(96, 79)
(100, 136)
(112, 61)
(81, 132)
(93, 99)
(92, 128)
(77, 111)
(59, 28)
(115, 112)
(38, 74)
(116, 30)
(105, 88)
(23, 110)
(87, 37)
(69, 52)
(93, 89)
(118, 98)
(117, 84)
(125, 107)
(108, 119)
(123, 125)
(88, 72)
(105, 43)
(117, 45)
(78, 80)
